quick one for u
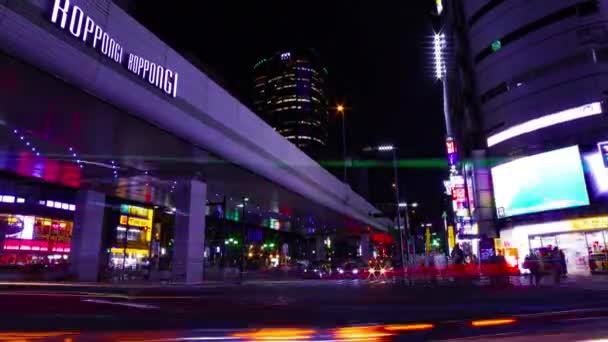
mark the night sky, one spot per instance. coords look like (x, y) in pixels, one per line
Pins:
(377, 54)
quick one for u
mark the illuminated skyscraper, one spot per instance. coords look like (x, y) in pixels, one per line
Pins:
(290, 94)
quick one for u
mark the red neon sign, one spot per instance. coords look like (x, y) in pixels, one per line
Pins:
(451, 147)
(36, 245)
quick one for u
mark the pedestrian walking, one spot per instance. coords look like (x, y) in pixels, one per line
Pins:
(532, 263)
(562, 258)
(556, 264)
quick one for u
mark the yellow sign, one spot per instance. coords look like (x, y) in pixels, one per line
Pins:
(428, 239)
(135, 222)
(136, 211)
(498, 244)
(451, 237)
(130, 251)
(589, 223)
(143, 218)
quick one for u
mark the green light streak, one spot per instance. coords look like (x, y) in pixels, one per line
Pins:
(420, 163)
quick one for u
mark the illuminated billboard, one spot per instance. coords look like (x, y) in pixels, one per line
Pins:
(542, 182)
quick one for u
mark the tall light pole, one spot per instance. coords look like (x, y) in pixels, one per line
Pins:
(393, 150)
(244, 237)
(398, 204)
(439, 46)
(340, 109)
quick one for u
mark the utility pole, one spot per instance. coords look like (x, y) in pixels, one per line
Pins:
(244, 234)
(397, 201)
(391, 148)
(341, 111)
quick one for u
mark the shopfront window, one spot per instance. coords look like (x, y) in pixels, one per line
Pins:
(596, 247)
(129, 259)
(28, 240)
(129, 254)
(548, 241)
(535, 243)
(574, 246)
(130, 235)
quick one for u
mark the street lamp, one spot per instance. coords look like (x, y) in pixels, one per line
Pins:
(398, 204)
(385, 148)
(340, 109)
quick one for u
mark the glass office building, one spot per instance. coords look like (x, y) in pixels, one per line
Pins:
(290, 94)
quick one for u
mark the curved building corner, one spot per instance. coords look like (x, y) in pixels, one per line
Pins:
(537, 70)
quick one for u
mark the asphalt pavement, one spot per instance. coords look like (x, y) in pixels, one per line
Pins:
(303, 303)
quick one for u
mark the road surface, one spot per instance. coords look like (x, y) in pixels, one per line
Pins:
(220, 308)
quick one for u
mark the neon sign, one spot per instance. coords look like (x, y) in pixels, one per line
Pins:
(73, 19)
(138, 217)
(135, 222)
(135, 211)
(452, 152)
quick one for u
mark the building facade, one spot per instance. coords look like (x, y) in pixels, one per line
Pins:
(290, 94)
(526, 85)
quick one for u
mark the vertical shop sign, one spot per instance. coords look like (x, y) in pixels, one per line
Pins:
(427, 238)
(450, 145)
(451, 237)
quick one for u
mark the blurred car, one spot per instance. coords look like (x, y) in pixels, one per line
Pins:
(294, 266)
(317, 270)
(353, 270)
(384, 268)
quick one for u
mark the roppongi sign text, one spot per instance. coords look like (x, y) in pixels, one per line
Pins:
(73, 19)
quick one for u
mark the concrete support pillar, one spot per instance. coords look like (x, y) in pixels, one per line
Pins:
(2, 234)
(85, 253)
(320, 249)
(364, 244)
(482, 190)
(189, 237)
